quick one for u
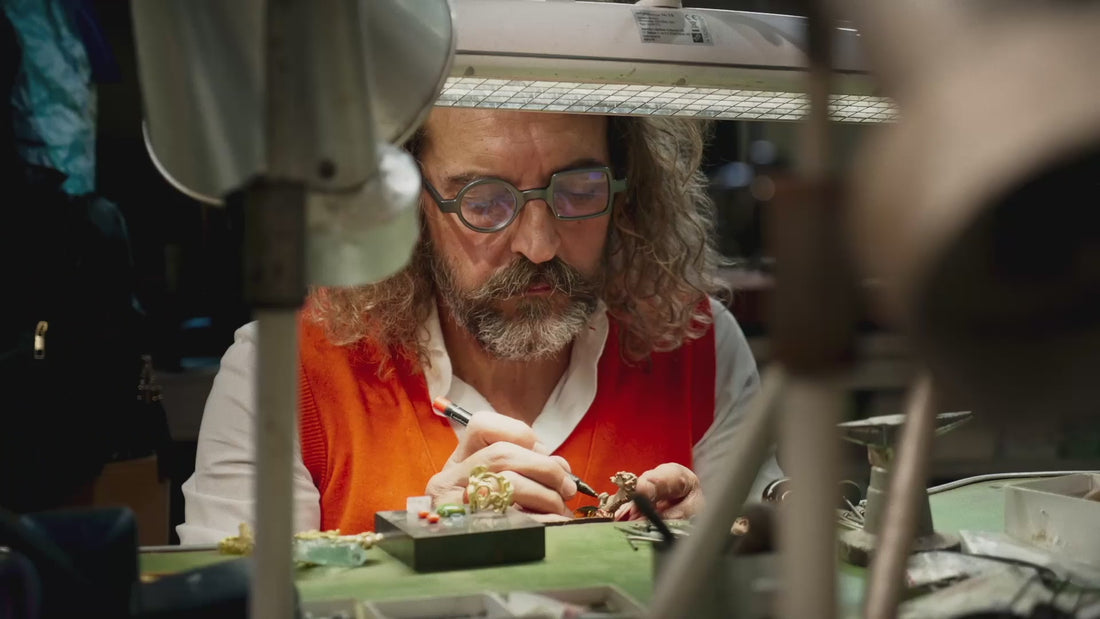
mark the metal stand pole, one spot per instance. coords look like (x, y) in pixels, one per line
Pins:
(275, 283)
(815, 303)
(812, 408)
(272, 591)
(903, 506)
(319, 133)
(694, 560)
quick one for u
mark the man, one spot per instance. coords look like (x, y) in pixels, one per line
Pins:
(559, 290)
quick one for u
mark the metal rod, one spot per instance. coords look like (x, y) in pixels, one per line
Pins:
(272, 593)
(815, 399)
(275, 277)
(814, 154)
(813, 406)
(693, 562)
(907, 490)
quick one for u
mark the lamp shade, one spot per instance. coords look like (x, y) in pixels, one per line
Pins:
(201, 68)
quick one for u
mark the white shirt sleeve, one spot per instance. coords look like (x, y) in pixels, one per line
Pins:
(736, 382)
(220, 494)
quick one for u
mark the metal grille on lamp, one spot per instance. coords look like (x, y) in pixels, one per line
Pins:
(646, 100)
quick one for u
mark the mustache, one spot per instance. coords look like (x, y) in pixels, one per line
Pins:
(522, 274)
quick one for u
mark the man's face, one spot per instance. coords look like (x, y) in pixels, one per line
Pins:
(525, 291)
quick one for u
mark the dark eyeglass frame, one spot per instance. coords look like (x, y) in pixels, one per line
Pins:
(523, 196)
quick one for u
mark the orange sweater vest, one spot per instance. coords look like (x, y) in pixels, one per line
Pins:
(369, 443)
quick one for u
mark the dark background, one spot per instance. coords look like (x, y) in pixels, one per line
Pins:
(182, 250)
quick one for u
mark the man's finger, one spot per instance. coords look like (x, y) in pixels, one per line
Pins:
(545, 470)
(486, 428)
(533, 496)
(680, 511)
(668, 511)
(453, 495)
(563, 463)
(449, 484)
(668, 482)
(627, 511)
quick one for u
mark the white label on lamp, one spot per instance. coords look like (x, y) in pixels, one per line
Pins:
(672, 26)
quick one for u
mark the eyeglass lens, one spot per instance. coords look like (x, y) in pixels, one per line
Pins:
(575, 194)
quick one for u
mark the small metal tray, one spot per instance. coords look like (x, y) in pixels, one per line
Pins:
(480, 605)
(610, 602)
(1053, 514)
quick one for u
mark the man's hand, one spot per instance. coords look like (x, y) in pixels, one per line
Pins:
(540, 482)
(672, 488)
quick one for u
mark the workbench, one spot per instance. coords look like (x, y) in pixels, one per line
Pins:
(577, 555)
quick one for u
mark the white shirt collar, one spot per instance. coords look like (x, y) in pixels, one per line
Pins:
(569, 400)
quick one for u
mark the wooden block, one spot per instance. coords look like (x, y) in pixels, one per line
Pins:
(473, 541)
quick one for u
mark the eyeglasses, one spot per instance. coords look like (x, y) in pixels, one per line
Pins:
(490, 204)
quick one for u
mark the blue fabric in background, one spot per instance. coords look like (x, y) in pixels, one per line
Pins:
(105, 69)
(54, 98)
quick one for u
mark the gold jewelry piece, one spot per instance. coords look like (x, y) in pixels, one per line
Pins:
(241, 544)
(245, 542)
(366, 539)
(488, 491)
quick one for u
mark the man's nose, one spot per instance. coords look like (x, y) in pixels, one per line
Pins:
(536, 232)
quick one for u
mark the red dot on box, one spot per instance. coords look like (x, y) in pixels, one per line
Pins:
(424, 513)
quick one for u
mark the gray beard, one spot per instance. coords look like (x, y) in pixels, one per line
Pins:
(539, 328)
(534, 332)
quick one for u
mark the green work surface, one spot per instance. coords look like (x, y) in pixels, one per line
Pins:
(578, 555)
(974, 507)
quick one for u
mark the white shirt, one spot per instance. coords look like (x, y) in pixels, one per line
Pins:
(219, 495)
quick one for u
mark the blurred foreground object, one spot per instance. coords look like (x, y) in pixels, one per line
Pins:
(966, 213)
(206, 82)
(202, 74)
(84, 562)
(974, 210)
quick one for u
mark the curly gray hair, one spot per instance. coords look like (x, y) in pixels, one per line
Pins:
(661, 256)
